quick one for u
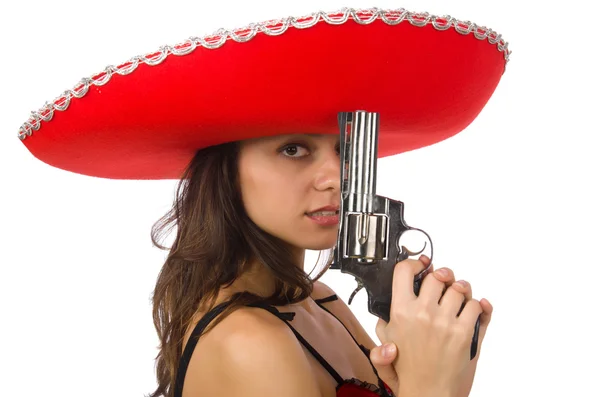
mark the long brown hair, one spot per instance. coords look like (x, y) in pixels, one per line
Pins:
(215, 241)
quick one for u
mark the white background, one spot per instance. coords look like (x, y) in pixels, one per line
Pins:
(511, 203)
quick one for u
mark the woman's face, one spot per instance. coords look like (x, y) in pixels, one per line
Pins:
(285, 179)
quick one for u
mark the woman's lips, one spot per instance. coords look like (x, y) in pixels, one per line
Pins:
(325, 218)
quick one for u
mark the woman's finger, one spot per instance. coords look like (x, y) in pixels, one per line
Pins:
(435, 285)
(453, 301)
(465, 288)
(382, 358)
(485, 318)
(403, 281)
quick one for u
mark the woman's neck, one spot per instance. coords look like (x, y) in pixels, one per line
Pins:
(257, 279)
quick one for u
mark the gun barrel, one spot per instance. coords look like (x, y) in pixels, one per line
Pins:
(362, 161)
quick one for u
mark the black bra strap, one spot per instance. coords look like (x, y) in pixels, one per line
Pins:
(184, 361)
(286, 317)
(366, 351)
(333, 298)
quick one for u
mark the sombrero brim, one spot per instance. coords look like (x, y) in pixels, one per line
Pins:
(428, 77)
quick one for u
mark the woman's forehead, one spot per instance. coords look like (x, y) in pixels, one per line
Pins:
(328, 137)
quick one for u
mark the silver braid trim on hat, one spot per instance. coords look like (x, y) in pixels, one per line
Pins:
(271, 28)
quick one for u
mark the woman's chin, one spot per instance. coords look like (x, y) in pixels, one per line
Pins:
(321, 245)
(309, 240)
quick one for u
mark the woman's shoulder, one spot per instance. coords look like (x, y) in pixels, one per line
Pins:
(321, 290)
(250, 353)
(242, 322)
(247, 326)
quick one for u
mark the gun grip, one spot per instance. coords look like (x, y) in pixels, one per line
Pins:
(380, 309)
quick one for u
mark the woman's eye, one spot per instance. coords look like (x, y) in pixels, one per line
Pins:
(294, 150)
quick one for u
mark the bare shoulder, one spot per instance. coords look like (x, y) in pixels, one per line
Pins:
(251, 353)
(341, 310)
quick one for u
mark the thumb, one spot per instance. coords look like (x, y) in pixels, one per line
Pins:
(382, 358)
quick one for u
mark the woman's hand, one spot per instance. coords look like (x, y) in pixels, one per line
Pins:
(469, 374)
(433, 353)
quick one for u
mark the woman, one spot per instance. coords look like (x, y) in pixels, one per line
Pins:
(246, 212)
(246, 120)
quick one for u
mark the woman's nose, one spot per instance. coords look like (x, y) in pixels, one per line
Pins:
(328, 174)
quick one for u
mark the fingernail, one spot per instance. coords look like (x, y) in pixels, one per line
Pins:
(463, 283)
(442, 272)
(388, 350)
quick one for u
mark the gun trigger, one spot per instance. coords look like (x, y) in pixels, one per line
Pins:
(358, 288)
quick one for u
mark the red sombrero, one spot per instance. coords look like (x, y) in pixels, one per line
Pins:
(428, 77)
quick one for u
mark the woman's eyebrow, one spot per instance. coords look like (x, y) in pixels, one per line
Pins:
(302, 136)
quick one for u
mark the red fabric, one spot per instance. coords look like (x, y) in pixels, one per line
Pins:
(354, 390)
(427, 85)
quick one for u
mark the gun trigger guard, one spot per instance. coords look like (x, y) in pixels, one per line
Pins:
(410, 253)
(404, 249)
(358, 288)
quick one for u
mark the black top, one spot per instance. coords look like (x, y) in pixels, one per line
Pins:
(286, 317)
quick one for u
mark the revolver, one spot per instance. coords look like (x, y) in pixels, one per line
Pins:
(371, 227)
